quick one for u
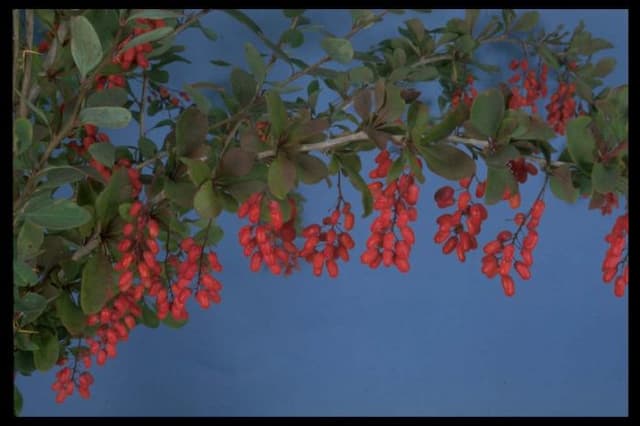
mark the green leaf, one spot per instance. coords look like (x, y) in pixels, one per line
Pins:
(292, 37)
(198, 170)
(111, 97)
(237, 161)
(117, 191)
(59, 215)
(396, 169)
(604, 178)
(243, 86)
(97, 283)
(153, 14)
(171, 322)
(149, 317)
(108, 117)
(361, 74)
(487, 112)
(105, 153)
(206, 201)
(147, 148)
(501, 156)
(526, 22)
(561, 184)
(148, 37)
(256, 64)
(181, 193)
(45, 358)
(17, 401)
(448, 161)
(418, 120)
(311, 169)
(339, 49)
(31, 305)
(498, 179)
(22, 135)
(191, 131)
(292, 13)
(23, 275)
(241, 17)
(351, 168)
(548, 56)
(604, 67)
(70, 315)
(157, 75)
(61, 175)
(277, 114)
(281, 176)
(201, 101)
(86, 48)
(581, 143)
(30, 238)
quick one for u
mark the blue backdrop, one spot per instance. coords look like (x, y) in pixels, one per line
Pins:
(440, 341)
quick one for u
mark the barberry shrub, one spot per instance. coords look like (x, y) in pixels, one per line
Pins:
(134, 241)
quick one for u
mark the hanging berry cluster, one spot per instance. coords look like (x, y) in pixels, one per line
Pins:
(68, 378)
(614, 260)
(562, 107)
(451, 227)
(464, 94)
(396, 203)
(336, 240)
(533, 86)
(269, 242)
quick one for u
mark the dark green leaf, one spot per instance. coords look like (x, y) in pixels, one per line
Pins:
(109, 117)
(181, 193)
(171, 322)
(604, 178)
(351, 168)
(105, 153)
(23, 275)
(604, 67)
(243, 85)
(45, 358)
(86, 48)
(22, 135)
(448, 161)
(30, 239)
(206, 202)
(159, 76)
(147, 148)
(70, 315)
(197, 169)
(31, 305)
(501, 156)
(59, 215)
(17, 401)
(293, 37)
(281, 176)
(311, 169)
(548, 56)
(498, 179)
(581, 143)
(208, 33)
(237, 161)
(487, 112)
(526, 22)
(111, 97)
(339, 49)
(117, 191)
(241, 17)
(149, 317)
(97, 283)
(561, 184)
(191, 130)
(277, 113)
(256, 64)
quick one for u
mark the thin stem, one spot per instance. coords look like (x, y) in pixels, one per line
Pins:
(321, 146)
(26, 75)
(16, 49)
(528, 215)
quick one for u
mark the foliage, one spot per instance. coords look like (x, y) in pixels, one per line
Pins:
(133, 240)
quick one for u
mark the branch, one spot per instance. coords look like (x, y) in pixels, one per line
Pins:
(190, 20)
(321, 146)
(26, 76)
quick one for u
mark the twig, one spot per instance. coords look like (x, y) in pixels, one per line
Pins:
(321, 146)
(26, 75)
(16, 49)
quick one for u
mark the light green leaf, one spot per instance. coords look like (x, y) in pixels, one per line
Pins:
(30, 239)
(198, 170)
(498, 179)
(487, 112)
(105, 153)
(243, 86)
(339, 49)
(109, 117)
(526, 22)
(277, 114)
(86, 48)
(206, 201)
(111, 97)
(59, 215)
(256, 64)
(581, 143)
(117, 191)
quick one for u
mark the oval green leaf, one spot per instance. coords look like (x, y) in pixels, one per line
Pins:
(487, 112)
(97, 283)
(59, 215)
(46, 356)
(86, 48)
(281, 176)
(448, 161)
(339, 49)
(105, 153)
(109, 117)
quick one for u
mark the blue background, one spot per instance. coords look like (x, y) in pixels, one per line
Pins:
(441, 340)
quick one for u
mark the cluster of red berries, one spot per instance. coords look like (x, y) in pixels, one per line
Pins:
(269, 242)
(617, 240)
(505, 246)
(521, 169)
(464, 94)
(462, 240)
(451, 228)
(337, 243)
(65, 382)
(609, 203)
(262, 128)
(165, 96)
(534, 86)
(396, 204)
(562, 107)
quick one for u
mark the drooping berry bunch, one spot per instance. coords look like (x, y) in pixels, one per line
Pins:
(451, 227)
(533, 85)
(562, 107)
(465, 94)
(499, 253)
(614, 260)
(521, 169)
(270, 242)
(335, 239)
(68, 378)
(396, 203)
